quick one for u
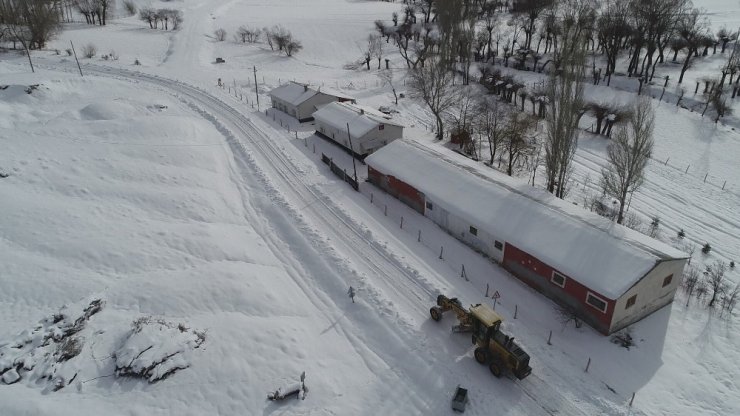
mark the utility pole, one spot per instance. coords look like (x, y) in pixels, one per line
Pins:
(352, 152)
(256, 90)
(78, 61)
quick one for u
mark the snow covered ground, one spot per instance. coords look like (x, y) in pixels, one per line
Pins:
(177, 199)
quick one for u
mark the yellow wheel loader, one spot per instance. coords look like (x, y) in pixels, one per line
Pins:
(494, 348)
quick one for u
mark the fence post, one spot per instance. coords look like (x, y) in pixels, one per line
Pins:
(687, 169)
(516, 309)
(723, 185)
(632, 399)
(588, 365)
(549, 338)
(418, 239)
(402, 222)
(705, 177)
(371, 197)
(441, 251)
(314, 147)
(463, 274)
(486, 289)
(385, 212)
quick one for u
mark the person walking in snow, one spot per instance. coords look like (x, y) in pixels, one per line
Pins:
(351, 293)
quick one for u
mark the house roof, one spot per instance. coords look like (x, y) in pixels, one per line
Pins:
(295, 93)
(598, 253)
(361, 119)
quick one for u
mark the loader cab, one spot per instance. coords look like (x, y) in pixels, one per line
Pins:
(486, 322)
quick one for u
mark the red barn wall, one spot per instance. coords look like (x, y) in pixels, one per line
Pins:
(537, 274)
(398, 188)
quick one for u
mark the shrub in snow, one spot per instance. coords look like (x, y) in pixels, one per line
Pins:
(624, 339)
(69, 52)
(89, 50)
(155, 349)
(681, 233)
(732, 264)
(41, 353)
(706, 249)
(220, 34)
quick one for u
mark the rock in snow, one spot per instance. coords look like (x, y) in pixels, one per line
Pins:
(11, 376)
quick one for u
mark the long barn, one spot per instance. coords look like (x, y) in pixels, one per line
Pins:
(609, 275)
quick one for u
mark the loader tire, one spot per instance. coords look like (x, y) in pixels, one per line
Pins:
(495, 368)
(435, 313)
(481, 355)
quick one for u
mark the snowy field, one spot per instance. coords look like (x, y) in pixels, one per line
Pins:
(151, 189)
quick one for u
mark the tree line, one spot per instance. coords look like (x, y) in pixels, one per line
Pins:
(440, 40)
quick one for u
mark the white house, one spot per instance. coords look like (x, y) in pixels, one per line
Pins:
(369, 130)
(301, 100)
(608, 274)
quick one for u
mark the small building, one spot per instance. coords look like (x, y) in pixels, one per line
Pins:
(608, 274)
(301, 100)
(369, 130)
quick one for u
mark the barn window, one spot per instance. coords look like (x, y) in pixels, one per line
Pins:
(596, 302)
(631, 302)
(473, 230)
(558, 279)
(430, 206)
(499, 245)
(667, 280)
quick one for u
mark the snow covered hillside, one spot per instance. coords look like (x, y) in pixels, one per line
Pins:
(221, 249)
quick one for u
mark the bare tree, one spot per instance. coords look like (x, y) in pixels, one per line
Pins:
(241, 34)
(220, 34)
(493, 125)
(729, 300)
(147, 14)
(613, 28)
(691, 277)
(531, 9)
(30, 22)
(716, 280)
(565, 95)
(518, 141)
(692, 28)
(386, 77)
(628, 155)
(292, 46)
(375, 47)
(432, 83)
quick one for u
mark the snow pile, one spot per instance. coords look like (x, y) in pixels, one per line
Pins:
(156, 349)
(41, 353)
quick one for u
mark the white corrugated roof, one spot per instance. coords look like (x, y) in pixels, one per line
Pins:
(295, 93)
(596, 252)
(361, 119)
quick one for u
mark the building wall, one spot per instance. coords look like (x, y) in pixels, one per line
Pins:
(284, 106)
(458, 227)
(308, 107)
(651, 294)
(373, 140)
(399, 189)
(573, 295)
(376, 138)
